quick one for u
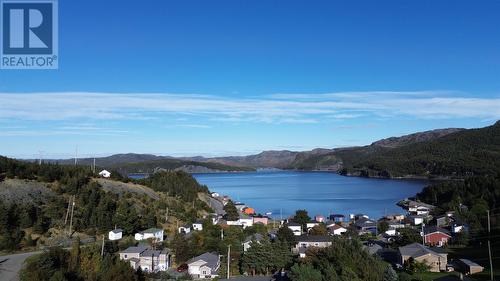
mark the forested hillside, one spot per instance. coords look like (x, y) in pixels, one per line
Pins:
(26, 223)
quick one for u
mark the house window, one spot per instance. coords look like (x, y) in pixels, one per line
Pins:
(125, 256)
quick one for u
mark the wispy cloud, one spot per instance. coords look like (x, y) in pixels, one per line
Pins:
(278, 108)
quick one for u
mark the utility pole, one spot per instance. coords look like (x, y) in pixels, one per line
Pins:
(102, 247)
(71, 218)
(76, 155)
(423, 234)
(489, 246)
(40, 157)
(67, 211)
(221, 234)
(228, 259)
(93, 168)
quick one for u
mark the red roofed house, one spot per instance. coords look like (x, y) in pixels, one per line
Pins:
(436, 236)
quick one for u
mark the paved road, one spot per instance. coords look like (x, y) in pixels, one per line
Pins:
(217, 206)
(10, 265)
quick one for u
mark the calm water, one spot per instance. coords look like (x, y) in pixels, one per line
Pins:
(318, 192)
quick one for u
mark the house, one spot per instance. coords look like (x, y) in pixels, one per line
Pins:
(394, 217)
(373, 247)
(434, 258)
(418, 208)
(260, 219)
(468, 267)
(185, 229)
(337, 217)
(153, 233)
(205, 266)
(215, 194)
(198, 225)
(311, 224)
(115, 234)
(240, 206)
(296, 228)
(456, 228)
(104, 174)
(319, 218)
(244, 221)
(305, 242)
(364, 225)
(336, 229)
(248, 211)
(416, 219)
(256, 238)
(436, 236)
(148, 260)
(391, 231)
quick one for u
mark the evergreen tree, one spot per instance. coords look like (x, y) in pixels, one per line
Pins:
(231, 211)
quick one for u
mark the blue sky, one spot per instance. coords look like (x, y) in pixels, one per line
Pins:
(237, 77)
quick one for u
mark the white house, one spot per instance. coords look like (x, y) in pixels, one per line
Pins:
(256, 238)
(312, 224)
(305, 242)
(205, 266)
(185, 229)
(198, 225)
(104, 174)
(153, 233)
(244, 221)
(416, 219)
(296, 228)
(337, 229)
(115, 234)
(148, 260)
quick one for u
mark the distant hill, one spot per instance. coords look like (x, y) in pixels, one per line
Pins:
(148, 163)
(267, 159)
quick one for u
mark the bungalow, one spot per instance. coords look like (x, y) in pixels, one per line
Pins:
(296, 228)
(305, 242)
(205, 266)
(153, 233)
(311, 224)
(337, 217)
(468, 267)
(115, 234)
(260, 219)
(418, 208)
(248, 211)
(184, 229)
(416, 219)
(364, 225)
(198, 225)
(251, 239)
(435, 259)
(105, 174)
(336, 229)
(148, 260)
(244, 221)
(436, 236)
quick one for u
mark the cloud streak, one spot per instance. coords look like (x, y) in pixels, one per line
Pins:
(278, 108)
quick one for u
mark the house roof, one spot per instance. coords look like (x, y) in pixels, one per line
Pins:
(364, 222)
(336, 226)
(433, 229)
(255, 237)
(314, 238)
(294, 224)
(416, 250)
(116, 231)
(155, 253)
(152, 230)
(134, 250)
(211, 260)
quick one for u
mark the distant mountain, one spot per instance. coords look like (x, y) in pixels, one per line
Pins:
(267, 159)
(395, 142)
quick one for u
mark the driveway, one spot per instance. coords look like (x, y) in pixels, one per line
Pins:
(10, 265)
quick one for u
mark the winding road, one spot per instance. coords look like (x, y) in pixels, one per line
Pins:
(10, 265)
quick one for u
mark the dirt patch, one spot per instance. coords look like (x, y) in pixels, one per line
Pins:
(121, 188)
(24, 191)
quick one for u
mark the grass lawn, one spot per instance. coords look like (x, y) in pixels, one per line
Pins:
(429, 276)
